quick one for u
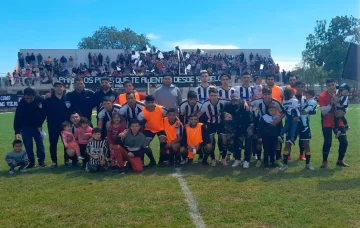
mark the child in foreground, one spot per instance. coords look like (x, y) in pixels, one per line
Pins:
(69, 140)
(17, 157)
(118, 125)
(130, 147)
(97, 149)
(82, 136)
(268, 133)
(291, 106)
(308, 107)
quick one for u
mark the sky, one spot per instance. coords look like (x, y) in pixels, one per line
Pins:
(281, 26)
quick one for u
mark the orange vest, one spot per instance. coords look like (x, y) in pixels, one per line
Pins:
(121, 99)
(194, 135)
(276, 93)
(154, 119)
(171, 130)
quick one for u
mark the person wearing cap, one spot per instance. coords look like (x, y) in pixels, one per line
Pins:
(105, 91)
(238, 125)
(57, 110)
(28, 120)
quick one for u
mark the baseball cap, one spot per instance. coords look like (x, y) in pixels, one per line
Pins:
(57, 83)
(235, 96)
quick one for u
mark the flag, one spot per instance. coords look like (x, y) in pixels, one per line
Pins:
(160, 55)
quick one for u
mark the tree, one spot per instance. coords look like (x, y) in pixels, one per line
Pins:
(311, 74)
(327, 46)
(111, 38)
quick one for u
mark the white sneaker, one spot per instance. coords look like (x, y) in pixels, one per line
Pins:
(255, 157)
(246, 165)
(81, 158)
(11, 172)
(309, 167)
(213, 163)
(236, 163)
(223, 161)
(183, 162)
(280, 139)
(283, 168)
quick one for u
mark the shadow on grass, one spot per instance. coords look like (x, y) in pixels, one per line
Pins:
(196, 169)
(335, 185)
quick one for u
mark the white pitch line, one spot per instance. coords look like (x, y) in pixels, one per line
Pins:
(194, 210)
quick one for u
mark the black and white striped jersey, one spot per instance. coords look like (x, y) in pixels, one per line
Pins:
(128, 113)
(245, 93)
(106, 116)
(214, 112)
(262, 107)
(99, 148)
(202, 93)
(186, 110)
(226, 94)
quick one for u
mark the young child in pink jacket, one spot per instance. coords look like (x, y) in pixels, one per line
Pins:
(69, 140)
(82, 136)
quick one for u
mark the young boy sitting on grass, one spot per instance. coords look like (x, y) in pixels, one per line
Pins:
(97, 150)
(17, 157)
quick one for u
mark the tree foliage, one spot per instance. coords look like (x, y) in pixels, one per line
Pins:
(327, 46)
(311, 74)
(111, 38)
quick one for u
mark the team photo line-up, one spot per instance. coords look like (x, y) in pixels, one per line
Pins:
(246, 118)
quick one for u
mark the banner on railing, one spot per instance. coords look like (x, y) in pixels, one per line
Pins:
(9, 101)
(142, 81)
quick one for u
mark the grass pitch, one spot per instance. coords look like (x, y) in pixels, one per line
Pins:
(226, 197)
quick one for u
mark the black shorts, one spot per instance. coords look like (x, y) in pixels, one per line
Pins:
(150, 135)
(214, 128)
(304, 133)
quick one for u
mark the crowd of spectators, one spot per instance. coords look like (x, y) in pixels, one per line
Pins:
(35, 68)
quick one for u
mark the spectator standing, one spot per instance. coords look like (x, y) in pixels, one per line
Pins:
(27, 58)
(168, 95)
(100, 59)
(90, 59)
(28, 120)
(57, 110)
(107, 59)
(39, 58)
(71, 61)
(32, 59)
(81, 99)
(9, 78)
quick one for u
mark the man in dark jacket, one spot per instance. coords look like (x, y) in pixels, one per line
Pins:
(241, 121)
(81, 99)
(106, 91)
(29, 117)
(57, 110)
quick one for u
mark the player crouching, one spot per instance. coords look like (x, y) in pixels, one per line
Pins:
(195, 140)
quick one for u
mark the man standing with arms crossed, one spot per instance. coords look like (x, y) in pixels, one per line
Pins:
(327, 103)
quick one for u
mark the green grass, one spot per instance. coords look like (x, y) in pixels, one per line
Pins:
(226, 197)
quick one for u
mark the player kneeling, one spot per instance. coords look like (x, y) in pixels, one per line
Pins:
(195, 140)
